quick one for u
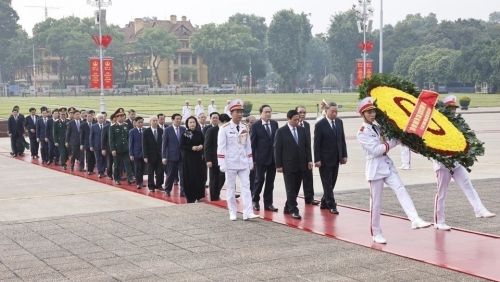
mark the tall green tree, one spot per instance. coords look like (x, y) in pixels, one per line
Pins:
(318, 62)
(8, 27)
(287, 40)
(20, 55)
(343, 38)
(160, 45)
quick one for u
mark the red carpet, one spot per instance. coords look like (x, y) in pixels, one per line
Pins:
(461, 250)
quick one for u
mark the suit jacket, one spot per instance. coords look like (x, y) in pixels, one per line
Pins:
(72, 133)
(205, 129)
(105, 138)
(262, 143)
(210, 145)
(327, 146)
(129, 123)
(170, 149)
(151, 148)
(85, 134)
(135, 143)
(50, 129)
(288, 155)
(30, 123)
(307, 127)
(95, 137)
(41, 129)
(16, 128)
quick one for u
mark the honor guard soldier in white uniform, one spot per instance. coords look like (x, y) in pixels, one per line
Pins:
(186, 111)
(198, 110)
(460, 175)
(234, 154)
(380, 169)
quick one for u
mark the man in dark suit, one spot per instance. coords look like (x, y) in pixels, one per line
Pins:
(330, 150)
(130, 120)
(106, 151)
(161, 121)
(307, 177)
(15, 126)
(262, 140)
(292, 152)
(30, 125)
(135, 151)
(59, 129)
(210, 152)
(214, 121)
(151, 149)
(42, 136)
(96, 132)
(171, 154)
(73, 140)
(53, 150)
(85, 143)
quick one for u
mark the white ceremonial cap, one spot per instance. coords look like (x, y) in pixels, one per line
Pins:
(236, 105)
(450, 101)
(365, 104)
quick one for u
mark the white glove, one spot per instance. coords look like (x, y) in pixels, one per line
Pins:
(222, 168)
(392, 143)
(250, 166)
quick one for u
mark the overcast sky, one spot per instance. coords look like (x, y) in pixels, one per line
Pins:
(202, 11)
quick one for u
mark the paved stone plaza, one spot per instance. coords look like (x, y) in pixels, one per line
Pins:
(57, 227)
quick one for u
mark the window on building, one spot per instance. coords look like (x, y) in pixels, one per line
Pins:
(185, 59)
(193, 59)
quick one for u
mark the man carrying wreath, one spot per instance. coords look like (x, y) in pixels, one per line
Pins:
(460, 176)
(380, 169)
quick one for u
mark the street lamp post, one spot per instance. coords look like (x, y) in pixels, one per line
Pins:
(364, 11)
(100, 4)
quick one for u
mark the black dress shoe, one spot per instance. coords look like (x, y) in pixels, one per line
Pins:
(296, 215)
(64, 167)
(286, 211)
(160, 188)
(82, 170)
(49, 162)
(71, 168)
(90, 173)
(314, 203)
(236, 196)
(12, 154)
(333, 211)
(117, 182)
(271, 208)
(323, 207)
(100, 176)
(139, 186)
(167, 194)
(183, 194)
(110, 178)
(256, 206)
(123, 178)
(21, 155)
(151, 190)
(130, 182)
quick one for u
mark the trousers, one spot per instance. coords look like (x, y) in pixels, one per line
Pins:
(405, 157)
(246, 194)
(376, 191)
(461, 177)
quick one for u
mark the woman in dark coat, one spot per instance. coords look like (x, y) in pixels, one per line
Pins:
(192, 157)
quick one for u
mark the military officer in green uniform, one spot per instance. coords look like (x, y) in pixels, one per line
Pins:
(118, 144)
(59, 133)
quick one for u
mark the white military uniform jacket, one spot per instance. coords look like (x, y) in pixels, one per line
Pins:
(186, 112)
(233, 148)
(212, 108)
(378, 164)
(198, 110)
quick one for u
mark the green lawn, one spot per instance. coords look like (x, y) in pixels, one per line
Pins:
(149, 105)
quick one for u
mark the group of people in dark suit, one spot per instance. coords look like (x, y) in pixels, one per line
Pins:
(182, 153)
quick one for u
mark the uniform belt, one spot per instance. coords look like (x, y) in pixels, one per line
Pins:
(369, 157)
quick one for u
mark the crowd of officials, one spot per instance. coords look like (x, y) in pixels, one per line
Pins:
(121, 148)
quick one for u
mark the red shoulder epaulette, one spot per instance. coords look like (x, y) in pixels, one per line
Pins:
(362, 128)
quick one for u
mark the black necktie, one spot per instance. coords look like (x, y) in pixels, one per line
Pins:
(140, 131)
(238, 128)
(268, 128)
(334, 128)
(375, 129)
(156, 136)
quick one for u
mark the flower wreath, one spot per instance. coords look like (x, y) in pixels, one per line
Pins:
(448, 138)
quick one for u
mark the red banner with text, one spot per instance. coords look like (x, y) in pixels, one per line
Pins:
(360, 68)
(422, 114)
(95, 78)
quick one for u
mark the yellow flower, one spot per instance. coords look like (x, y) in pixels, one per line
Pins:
(441, 135)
